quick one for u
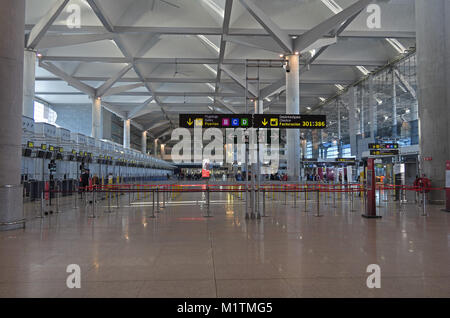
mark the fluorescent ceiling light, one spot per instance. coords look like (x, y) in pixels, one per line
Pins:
(312, 52)
(216, 8)
(322, 99)
(379, 101)
(407, 111)
(267, 99)
(396, 45)
(211, 86)
(210, 108)
(210, 98)
(308, 108)
(339, 86)
(363, 70)
(210, 69)
(332, 5)
(208, 42)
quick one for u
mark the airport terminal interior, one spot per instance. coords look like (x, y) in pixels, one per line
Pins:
(224, 148)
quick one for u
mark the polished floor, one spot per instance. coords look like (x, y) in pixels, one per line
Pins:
(180, 253)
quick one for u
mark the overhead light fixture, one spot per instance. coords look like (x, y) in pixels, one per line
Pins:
(210, 98)
(308, 108)
(211, 86)
(396, 45)
(407, 111)
(281, 55)
(208, 42)
(379, 101)
(216, 8)
(386, 117)
(332, 5)
(363, 70)
(267, 99)
(39, 55)
(322, 99)
(340, 87)
(296, 53)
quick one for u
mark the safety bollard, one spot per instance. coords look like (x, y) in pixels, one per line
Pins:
(318, 204)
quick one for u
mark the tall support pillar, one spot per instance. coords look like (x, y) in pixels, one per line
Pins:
(373, 109)
(126, 133)
(433, 69)
(394, 106)
(293, 107)
(97, 127)
(156, 148)
(353, 120)
(144, 142)
(29, 76)
(339, 141)
(12, 24)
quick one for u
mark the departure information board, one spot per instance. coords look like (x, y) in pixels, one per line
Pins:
(215, 121)
(384, 146)
(290, 121)
(384, 152)
(252, 121)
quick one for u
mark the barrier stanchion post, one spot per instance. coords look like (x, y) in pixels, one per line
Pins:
(42, 206)
(285, 195)
(306, 197)
(129, 195)
(157, 200)
(264, 203)
(57, 199)
(153, 206)
(424, 198)
(318, 203)
(208, 202)
(93, 205)
(295, 197)
(75, 195)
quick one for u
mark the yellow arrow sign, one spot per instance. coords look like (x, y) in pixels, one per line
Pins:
(265, 122)
(190, 122)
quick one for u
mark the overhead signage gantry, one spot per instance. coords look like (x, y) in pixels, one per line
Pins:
(253, 121)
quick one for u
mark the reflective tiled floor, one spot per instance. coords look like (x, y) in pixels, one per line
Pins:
(289, 253)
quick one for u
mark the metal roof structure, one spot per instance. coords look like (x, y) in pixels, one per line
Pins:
(150, 60)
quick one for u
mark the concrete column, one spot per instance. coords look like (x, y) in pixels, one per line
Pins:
(97, 129)
(29, 76)
(144, 142)
(362, 126)
(162, 150)
(373, 108)
(126, 133)
(353, 120)
(339, 141)
(293, 107)
(12, 24)
(433, 69)
(394, 106)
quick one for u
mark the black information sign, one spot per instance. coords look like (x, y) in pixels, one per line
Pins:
(290, 121)
(215, 121)
(255, 121)
(346, 160)
(384, 146)
(384, 152)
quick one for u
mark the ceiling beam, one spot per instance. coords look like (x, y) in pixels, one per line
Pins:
(110, 82)
(385, 33)
(121, 89)
(241, 82)
(39, 30)
(99, 12)
(280, 36)
(327, 26)
(69, 79)
(61, 40)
